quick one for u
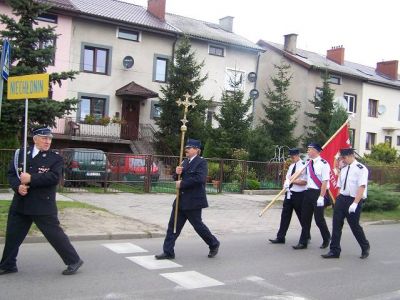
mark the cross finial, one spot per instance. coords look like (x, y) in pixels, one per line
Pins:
(186, 103)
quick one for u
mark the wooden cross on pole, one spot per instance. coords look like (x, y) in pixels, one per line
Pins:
(186, 104)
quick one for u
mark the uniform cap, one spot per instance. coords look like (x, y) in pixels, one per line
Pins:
(294, 151)
(191, 143)
(315, 146)
(42, 131)
(346, 151)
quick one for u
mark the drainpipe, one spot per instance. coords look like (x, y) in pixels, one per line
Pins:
(255, 86)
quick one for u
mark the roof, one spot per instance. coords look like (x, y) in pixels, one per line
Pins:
(134, 89)
(314, 60)
(138, 15)
(63, 4)
(208, 31)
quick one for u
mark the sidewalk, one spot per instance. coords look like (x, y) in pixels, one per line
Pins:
(147, 215)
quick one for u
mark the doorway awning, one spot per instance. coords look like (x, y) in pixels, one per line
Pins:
(134, 89)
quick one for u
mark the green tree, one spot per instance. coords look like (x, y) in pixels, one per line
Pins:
(382, 153)
(279, 111)
(260, 145)
(32, 52)
(319, 131)
(339, 116)
(234, 121)
(184, 76)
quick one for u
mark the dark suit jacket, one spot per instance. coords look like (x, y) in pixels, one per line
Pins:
(193, 184)
(46, 170)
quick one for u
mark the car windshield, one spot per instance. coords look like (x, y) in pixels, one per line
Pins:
(94, 156)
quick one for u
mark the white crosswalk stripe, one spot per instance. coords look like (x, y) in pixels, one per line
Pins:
(124, 248)
(192, 279)
(149, 262)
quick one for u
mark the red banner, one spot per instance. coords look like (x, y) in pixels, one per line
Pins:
(330, 153)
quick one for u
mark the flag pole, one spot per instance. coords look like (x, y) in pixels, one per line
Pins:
(25, 133)
(297, 174)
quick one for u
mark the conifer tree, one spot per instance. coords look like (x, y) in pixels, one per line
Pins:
(32, 51)
(279, 119)
(184, 76)
(234, 121)
(319, 131)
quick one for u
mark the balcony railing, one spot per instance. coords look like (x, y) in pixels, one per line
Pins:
(71, 127)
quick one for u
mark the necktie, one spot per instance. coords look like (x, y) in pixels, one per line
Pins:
(293, 170)
(345, 180)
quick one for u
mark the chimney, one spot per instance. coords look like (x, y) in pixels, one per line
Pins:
(336, 54)
(226, 23)
(157, 8)
(290, 43)
(388, 68)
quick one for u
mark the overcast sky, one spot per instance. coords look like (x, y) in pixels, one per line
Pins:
(368, 30)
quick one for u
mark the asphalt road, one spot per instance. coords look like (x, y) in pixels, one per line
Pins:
(247, 267)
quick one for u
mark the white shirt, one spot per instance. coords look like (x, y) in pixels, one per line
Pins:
(299, 166)
(322, 171)
(35, 151)
(357, 176)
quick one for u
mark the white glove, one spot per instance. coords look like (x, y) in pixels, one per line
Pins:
(353, 207)
(320, 201)
(286, 184)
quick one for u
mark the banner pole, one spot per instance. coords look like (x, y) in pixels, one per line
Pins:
(25, 133)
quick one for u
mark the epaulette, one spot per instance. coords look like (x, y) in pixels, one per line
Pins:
(360, 166)
(324, 161)
(55, 151)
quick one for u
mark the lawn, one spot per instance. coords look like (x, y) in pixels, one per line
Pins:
(373, 215)
(4, 206)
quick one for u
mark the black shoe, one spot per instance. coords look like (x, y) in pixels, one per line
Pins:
(325, 244)
(299, 246)
(277, 241)
(8, 271)
(71, 269)
(165, 256)
(330, 255)
(365, 253)
(213, 252)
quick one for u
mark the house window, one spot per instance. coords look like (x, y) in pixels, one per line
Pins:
(50, 18)
(398, 140)
(160, 68)
(95, 60)
(234, 80)
(318, 96)
(155, 110)
(215, 50)
(334, 79)
(92, 106)
(49, 44)
(351, 101)
(352, 135)
(370, 140)
(388, 140)
(127, 34)
(372, 108)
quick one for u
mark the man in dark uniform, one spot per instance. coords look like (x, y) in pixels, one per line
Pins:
(318, 174)
(192, 199)
(34, 202)
(293, 197)
(353, 181)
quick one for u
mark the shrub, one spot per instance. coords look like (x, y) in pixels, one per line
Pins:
(382, 153)
(381, 198)
(252, 184)
(105, 120)
(213, 170)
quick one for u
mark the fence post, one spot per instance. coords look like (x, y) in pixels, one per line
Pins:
(147, 178)
(221, 175)
(244, 175)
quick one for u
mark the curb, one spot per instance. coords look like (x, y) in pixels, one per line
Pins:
(383, 222)
(95, 237)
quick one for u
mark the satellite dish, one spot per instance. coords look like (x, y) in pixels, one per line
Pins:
(381, 109)
(254, 94)
(252, 76)
(128, 62)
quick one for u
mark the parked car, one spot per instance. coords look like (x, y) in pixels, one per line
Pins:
(84, 165)
(132, 168)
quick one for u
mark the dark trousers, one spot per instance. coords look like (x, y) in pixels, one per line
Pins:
(341, 211)
(294, 203)
(18, 226)
(194, 218)
(308, 209)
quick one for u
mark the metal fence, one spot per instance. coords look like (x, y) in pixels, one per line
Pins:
(97, 171)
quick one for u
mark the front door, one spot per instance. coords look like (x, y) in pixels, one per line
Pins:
(130, 114)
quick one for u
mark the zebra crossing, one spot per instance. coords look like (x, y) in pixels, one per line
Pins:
(185, 279)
